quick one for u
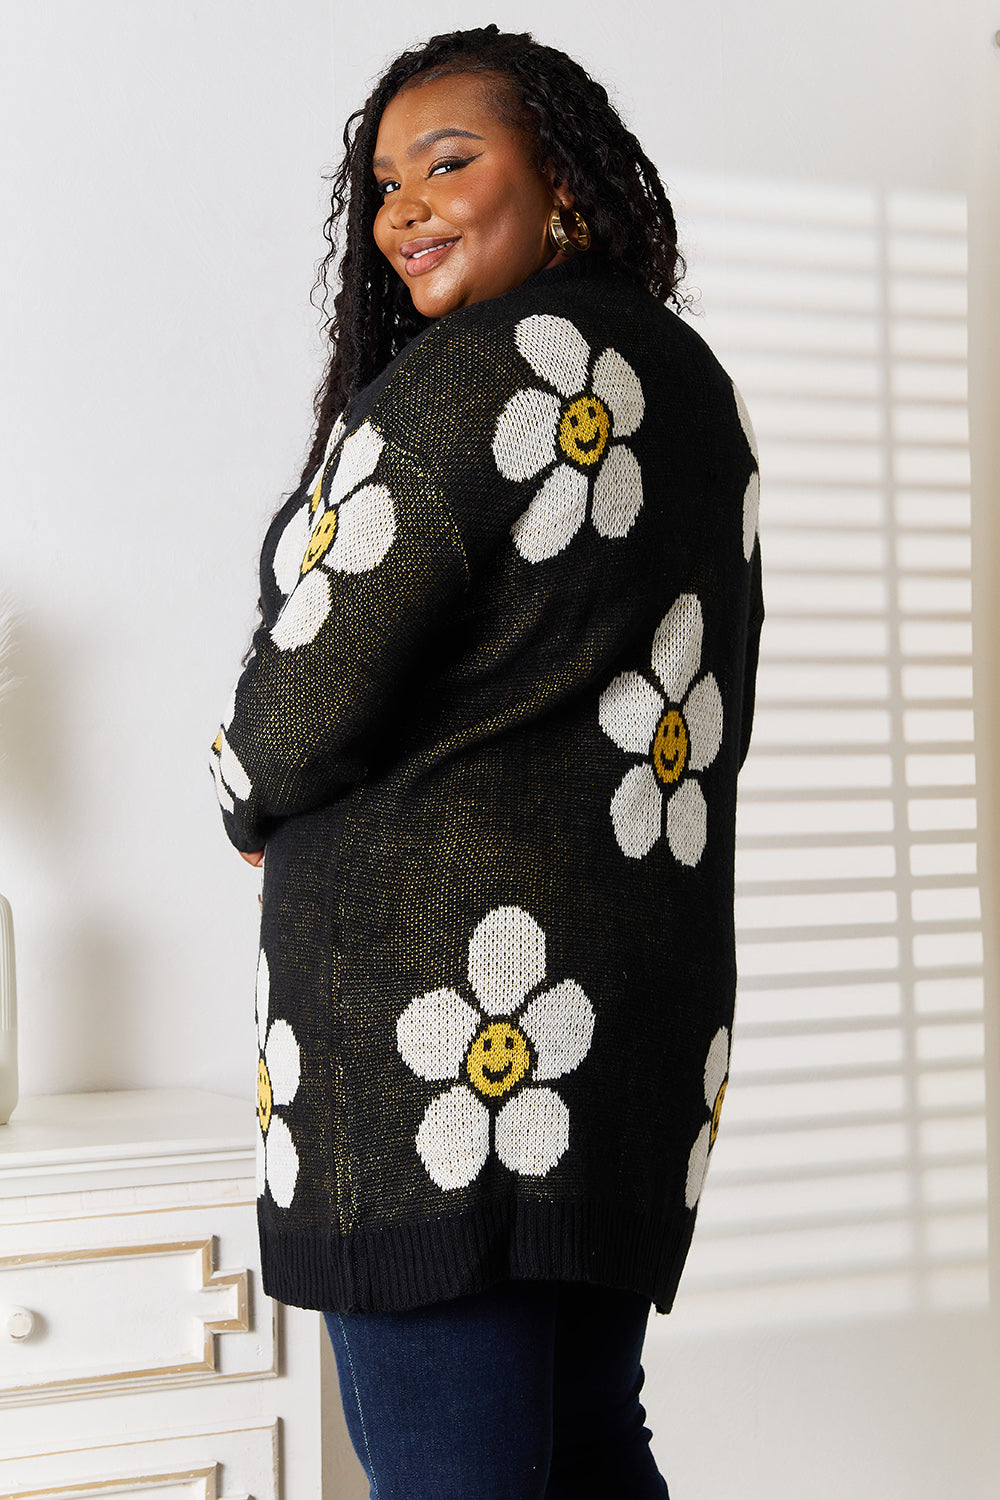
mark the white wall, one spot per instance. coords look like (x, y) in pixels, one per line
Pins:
(165, 162)
(163, 172)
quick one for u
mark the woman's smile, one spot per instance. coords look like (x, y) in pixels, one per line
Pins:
(421, 256)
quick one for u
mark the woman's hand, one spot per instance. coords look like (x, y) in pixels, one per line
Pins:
(253, 859)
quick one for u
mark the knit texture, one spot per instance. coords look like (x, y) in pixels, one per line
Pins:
(490, 734)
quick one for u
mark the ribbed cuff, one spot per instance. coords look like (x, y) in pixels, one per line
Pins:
(409, 1264)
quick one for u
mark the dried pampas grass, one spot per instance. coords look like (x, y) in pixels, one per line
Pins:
(7, 623)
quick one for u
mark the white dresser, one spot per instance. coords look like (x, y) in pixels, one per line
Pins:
(138, 1353)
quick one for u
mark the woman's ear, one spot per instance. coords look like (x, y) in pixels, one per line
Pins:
(561, 191)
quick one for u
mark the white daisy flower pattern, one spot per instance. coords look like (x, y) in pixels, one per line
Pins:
(336, 433)
(506, 1047)
(346, 526)
(716, 1078)
(231, 780)
(570, 437)
(277, 1082)
(675, 724)
(751, 499)
(288, 554)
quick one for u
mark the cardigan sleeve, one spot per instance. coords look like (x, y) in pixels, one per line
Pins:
(382, 569)
(755, 621)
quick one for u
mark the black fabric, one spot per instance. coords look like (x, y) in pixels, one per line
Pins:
(490, 735)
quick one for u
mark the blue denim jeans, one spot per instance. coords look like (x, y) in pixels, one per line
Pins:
(527, 1391)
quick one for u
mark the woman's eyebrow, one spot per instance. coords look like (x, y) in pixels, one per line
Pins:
(383, 163)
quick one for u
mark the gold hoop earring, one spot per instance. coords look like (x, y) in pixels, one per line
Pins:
(561, 240)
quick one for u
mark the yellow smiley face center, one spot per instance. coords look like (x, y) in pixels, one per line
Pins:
(583, 430)
(670, 747)
(716, 1112)
(319, 543)
(264, 1096)
(498, 1058)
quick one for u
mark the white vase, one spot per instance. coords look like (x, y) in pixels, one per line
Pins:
(8, 1014)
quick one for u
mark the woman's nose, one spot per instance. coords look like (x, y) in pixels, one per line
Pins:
(406, 209)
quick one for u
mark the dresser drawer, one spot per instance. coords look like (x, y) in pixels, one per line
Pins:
(238, 1461)
(142, 1300)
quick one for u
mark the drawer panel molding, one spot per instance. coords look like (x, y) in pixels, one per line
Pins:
(117, 1316)
(238, 1463)
(194, 1484)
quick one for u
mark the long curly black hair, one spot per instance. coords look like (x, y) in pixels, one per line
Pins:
(574, 125)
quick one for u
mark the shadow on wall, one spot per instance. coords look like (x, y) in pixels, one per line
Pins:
(98, 1029)
(849, 1176)
(35, 748)
(92, 977)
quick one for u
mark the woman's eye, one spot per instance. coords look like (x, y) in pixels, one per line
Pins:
(450, 165)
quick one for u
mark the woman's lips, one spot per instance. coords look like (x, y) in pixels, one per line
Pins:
(423, 255)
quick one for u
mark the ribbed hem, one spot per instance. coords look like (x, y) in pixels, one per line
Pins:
(410, 1264)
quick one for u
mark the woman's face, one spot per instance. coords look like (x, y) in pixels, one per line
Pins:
(465, 210)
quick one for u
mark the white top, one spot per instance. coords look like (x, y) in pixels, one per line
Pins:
(62, 1135)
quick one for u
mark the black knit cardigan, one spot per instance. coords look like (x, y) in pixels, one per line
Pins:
(490, 734)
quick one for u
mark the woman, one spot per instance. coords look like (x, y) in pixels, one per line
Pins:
(489, 734)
